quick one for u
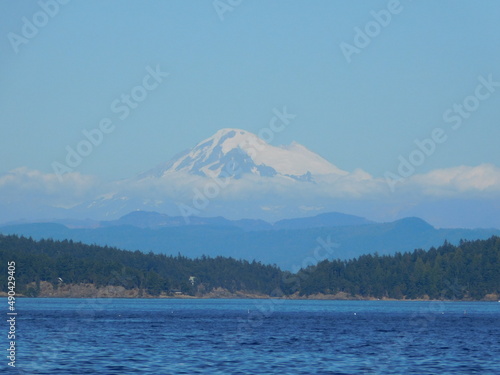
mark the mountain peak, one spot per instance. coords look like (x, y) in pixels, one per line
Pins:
(413, 223)
(225, 134)
(231, 131)
(232, 152)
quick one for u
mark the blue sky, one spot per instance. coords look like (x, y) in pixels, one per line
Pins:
(232, 73)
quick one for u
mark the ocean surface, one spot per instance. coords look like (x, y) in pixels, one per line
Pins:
(133, 336)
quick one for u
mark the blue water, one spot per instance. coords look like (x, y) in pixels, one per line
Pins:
(130, 336)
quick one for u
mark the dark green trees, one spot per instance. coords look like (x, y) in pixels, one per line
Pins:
(470, 270)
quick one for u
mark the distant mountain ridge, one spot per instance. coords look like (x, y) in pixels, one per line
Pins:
(287, 243)
(151, 219)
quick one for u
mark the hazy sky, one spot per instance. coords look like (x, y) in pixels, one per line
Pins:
(233, 72)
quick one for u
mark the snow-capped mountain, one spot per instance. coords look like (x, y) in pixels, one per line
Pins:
(236, 152)
(221, 175)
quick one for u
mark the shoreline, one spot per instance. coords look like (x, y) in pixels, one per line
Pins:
(2, 295)
(48, 290)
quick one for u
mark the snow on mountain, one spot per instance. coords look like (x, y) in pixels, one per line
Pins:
(236, 152)
(284, 178)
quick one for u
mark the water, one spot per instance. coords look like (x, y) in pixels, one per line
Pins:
(130, 336)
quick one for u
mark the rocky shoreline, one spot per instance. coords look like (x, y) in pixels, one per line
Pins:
(47, 290)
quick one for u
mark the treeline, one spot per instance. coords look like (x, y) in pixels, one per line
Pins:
(74, 263)
(469, 270)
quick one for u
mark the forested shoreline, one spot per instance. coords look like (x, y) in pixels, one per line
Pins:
(468, 271)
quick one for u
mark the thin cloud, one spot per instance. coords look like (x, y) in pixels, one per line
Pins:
(23, 185)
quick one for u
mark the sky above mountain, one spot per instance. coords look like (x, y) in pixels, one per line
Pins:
(402, 95)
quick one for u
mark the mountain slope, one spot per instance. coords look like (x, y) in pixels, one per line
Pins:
(236, 152)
